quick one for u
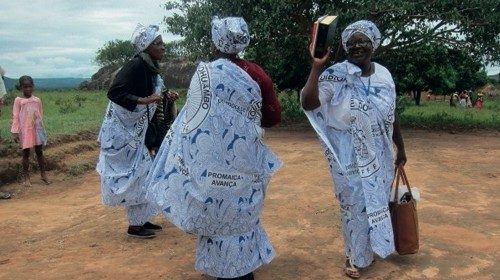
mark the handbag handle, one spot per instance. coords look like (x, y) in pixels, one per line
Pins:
(400, 173)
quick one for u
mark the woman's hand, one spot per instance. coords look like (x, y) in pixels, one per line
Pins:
(320, 62)
(149, 99)
(171, 95)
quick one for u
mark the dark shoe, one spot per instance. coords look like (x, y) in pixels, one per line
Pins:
(249, 276)
(151, 226)
(140, 232)
(5, 195)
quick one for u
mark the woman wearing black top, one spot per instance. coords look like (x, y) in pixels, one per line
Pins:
(124, 159)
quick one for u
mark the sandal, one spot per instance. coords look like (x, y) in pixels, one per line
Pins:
(46, 181)
(351, 270)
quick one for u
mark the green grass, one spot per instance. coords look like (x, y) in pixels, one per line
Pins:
(439, 115)
(70, 112)
(65, 112)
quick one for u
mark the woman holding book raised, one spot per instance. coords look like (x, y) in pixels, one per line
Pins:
(211, 172)
(351, 106)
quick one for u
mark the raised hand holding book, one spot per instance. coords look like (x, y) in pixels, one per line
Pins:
(322, 35)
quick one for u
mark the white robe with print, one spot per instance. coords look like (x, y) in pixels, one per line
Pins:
(124, 160)
(211, 172)
(355, 123)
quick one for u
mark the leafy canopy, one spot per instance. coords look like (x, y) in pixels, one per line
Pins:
(280, 29)
(114, 53)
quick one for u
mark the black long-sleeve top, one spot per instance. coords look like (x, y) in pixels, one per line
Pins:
(134, 80)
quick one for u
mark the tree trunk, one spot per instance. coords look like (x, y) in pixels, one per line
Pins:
(416, 95)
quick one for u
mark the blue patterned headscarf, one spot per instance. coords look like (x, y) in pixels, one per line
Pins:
(230, 35)
(366, 27)
(143, 36)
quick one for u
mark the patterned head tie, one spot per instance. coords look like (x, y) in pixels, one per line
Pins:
(230, 35)
(143, 36)
(368, 28)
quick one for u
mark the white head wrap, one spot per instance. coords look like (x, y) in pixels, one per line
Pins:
(230, 35)
(143, 36)
(366, 27)
(2, 72)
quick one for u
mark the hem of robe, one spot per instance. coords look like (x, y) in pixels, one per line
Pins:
(263, 248)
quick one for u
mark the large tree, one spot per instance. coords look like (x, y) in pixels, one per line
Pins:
(433, 67)
(114, 53)
(280, 29)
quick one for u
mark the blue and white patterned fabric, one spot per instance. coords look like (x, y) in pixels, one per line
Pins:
(355, 123)
(124, 160)
(211, 173)
(143, 36)
(366, 27)
(230, 34)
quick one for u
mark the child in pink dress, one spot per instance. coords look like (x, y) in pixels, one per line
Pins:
(27, 127)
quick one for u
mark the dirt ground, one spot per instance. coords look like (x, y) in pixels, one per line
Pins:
(62, 231)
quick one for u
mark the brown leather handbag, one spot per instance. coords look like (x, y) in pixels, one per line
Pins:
(404, 216)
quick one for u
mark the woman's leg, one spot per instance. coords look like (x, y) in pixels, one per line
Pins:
(26, 167)
(356, 230)
(41, 163)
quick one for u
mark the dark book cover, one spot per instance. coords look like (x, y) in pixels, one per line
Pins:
(322, 35)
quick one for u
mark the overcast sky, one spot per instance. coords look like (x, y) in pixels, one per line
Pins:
(59, 38)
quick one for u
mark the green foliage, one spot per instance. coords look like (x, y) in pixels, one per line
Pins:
(80, 99)
(8, 99)
(290, 107)
(280, 29)
(401, 104)
(175, 49)
(114, 53)
(65, 105)
(435, 68)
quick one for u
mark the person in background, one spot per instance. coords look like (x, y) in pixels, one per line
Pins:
(468, 102)
(3, 90)
(27, 128)
(124, 160)
(478, 103)
(351, 105)
(453, 99)
(211, 173)
(462, 99)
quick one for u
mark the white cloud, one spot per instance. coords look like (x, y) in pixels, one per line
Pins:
(59, 38)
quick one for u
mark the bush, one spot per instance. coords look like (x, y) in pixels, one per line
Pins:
(65, 105)
(290, 105)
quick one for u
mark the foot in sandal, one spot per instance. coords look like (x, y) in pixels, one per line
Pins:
(351, 270)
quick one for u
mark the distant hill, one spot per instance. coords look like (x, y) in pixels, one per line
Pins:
(495, 77)
(48, 83)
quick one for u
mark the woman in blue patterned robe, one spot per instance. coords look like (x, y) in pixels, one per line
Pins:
(351, 106)
(124, 160)
(211, 173)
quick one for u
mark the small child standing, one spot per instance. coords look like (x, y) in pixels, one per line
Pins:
(27, 127)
